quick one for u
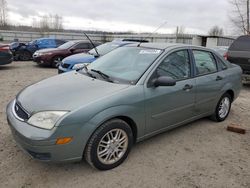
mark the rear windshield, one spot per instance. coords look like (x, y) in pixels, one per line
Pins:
(241, 44)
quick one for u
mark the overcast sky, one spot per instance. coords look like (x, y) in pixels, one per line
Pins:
(197, 16)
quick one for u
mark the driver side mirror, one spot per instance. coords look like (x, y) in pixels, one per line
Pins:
(164, 81)
(72, 50)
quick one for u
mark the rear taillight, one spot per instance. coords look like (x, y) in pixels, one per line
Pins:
(5, 49)
(226, 56)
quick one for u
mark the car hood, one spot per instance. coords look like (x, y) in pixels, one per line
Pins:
(67, 91)
(79, 58)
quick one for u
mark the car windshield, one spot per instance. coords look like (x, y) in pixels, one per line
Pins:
(67, 45)
(125, 64)
(32, 42)
(104, 48)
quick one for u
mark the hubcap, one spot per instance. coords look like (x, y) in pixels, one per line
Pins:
(112, 146)
(57, 61)
(224, 107)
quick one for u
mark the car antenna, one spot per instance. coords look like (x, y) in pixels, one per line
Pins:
(92, 44)
(164, 23)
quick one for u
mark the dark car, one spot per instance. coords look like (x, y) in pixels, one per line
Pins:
(51, 56)
(5, 55)
(239, 53)
(24, 51)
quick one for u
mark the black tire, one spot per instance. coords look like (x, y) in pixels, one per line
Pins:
(54, 62)
(24, 55)
(91, 155)
(216, 116)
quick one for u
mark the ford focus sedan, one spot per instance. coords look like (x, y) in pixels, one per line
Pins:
(124, 97)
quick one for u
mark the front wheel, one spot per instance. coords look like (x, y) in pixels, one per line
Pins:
(223, 108)
(110, 145)
(56, 61)
(25, 55)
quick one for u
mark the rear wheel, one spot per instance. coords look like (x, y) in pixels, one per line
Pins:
(24, 55)
(223, 108)
(110, 144)
(56, 61)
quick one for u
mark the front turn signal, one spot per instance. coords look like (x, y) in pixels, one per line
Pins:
(61, 141)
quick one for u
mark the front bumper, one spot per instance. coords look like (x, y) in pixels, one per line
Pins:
(63, 70)
(40, 143)
(40, 60)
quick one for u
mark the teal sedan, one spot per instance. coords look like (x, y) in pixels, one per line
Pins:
(132, 93)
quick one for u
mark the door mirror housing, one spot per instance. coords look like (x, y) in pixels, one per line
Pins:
(164, 81)
(72, 50)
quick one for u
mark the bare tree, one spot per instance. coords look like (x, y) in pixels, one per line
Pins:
(3, 13)
(44, 23)
(216, 31)
(54, 22)
(57, 22)
(240, 15)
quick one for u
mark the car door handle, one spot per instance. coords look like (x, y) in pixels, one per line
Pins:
(187, 87)
(218, 78)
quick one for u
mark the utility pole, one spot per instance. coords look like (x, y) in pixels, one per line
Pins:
(248, 27)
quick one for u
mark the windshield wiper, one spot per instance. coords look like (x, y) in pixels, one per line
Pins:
(86, 70)
(94, 54)
(103, 75)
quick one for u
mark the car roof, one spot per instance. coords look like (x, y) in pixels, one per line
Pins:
(121, 43)
(163, 46)
(78, 41)
(49, 39)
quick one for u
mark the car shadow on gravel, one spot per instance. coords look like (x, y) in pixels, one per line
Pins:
(246, 86)
(176, 131)
(9, 67)
(44, 67)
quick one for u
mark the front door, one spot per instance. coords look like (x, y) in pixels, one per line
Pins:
(170, 105)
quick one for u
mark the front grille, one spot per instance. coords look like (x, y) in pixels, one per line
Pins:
(20, 112)
(64, 65)
(40, 156)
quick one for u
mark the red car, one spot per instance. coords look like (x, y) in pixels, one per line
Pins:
(52, 56)
(5, 54)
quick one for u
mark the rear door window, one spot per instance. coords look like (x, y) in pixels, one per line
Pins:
(221, 65)
(204, 62)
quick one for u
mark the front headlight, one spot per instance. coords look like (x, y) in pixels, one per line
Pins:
(80, 66)
(46, 119)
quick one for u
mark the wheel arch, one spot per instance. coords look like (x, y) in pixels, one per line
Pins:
(231, 93)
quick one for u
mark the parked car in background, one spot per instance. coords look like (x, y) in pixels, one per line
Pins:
(24, 51)
(51, 56)
(239, 53)
(79, 60)
(222, 50)
(125, 96)
(6, 56)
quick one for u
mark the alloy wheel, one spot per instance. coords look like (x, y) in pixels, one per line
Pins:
(112, 146)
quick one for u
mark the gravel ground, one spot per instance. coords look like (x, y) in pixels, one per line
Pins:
(201, 154)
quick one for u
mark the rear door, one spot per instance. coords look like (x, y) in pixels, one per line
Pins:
(209, 82)
(239, 53)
